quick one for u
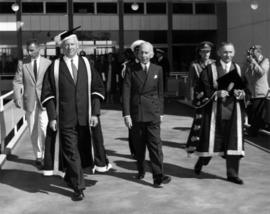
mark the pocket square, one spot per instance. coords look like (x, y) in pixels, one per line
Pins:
(156, 76)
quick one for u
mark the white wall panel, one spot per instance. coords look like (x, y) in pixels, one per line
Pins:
(45, 22)
(247, 27)
(153, 22)
(92, 22)
(194, 22)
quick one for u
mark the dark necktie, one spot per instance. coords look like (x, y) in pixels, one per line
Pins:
(35, 69)
(145, 69)
(74, 71)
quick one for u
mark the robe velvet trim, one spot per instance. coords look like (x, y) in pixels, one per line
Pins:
(235, 144)
(57, 141)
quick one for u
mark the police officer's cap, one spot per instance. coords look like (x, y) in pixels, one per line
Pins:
(205, 45)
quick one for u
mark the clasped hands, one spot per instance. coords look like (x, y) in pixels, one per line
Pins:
(93, 123)
(238, 94)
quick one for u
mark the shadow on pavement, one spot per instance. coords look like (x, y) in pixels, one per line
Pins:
(16, 159)
(169, 169)
(35, 182)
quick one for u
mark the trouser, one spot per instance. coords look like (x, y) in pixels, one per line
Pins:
(255, 114)
(232, 164)
(37, 123)
(69, 145)
(147, 134)
(100, 158)
(130, 144)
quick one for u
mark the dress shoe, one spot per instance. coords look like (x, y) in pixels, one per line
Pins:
(78, 195)
(235, 180)
(158, 182)
(39, 164)
(197, 168)
(140, 176)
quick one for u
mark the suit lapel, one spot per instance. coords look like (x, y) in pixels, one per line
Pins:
(139, 73)
(29, 68)
(149, 76)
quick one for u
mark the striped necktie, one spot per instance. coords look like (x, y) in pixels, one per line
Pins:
(145, 69)
(74, 71)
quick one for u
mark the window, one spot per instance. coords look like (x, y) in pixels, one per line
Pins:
(5, 7)
(182, 8)
(32, 7)
(193, 36)
(83, 7)
(107, 8)
(155, 36)
(156, 8)
(128, 9)
(56, 7)
(205, 8)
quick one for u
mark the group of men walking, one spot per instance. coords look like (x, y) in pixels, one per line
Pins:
(71, 91)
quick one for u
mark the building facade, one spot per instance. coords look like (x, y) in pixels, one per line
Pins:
(174, 25)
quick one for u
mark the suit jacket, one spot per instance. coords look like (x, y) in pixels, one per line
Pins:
(143, 93)
(25, 84)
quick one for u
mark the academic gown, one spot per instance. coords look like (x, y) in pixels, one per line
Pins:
(71, 104)
(212, 139)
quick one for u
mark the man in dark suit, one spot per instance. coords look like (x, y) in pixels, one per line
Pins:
(71, 94)
(142, 109)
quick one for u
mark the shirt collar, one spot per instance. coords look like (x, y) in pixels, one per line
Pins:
(75, 58)
(226, 66)
(147, 65)
(38, 58)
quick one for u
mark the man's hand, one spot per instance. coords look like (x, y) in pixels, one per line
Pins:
(128, 121)
(161, 118)
(18, 103)
(53, 125)
(93, 121)
(239, 94)
(222, 94)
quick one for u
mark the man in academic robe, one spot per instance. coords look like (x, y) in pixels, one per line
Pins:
(27, 86)
(71, 94)
(221, 130)
(142, 110)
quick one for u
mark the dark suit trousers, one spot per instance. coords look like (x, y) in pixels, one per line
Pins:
(232, 164)
(69, 146)
(232, 161)
(98, 144)
(147, 134)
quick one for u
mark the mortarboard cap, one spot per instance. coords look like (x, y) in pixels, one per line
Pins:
(136, 44)
(68, 34)
(205, 45)
(160, 51)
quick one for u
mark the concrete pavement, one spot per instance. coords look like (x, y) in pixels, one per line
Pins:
(23, 189)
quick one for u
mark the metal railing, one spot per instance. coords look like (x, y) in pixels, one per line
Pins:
(12, 125)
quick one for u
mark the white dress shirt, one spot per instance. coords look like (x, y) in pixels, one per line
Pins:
(147, 66)
(38, 62)
(68, 63)
(226, 66)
